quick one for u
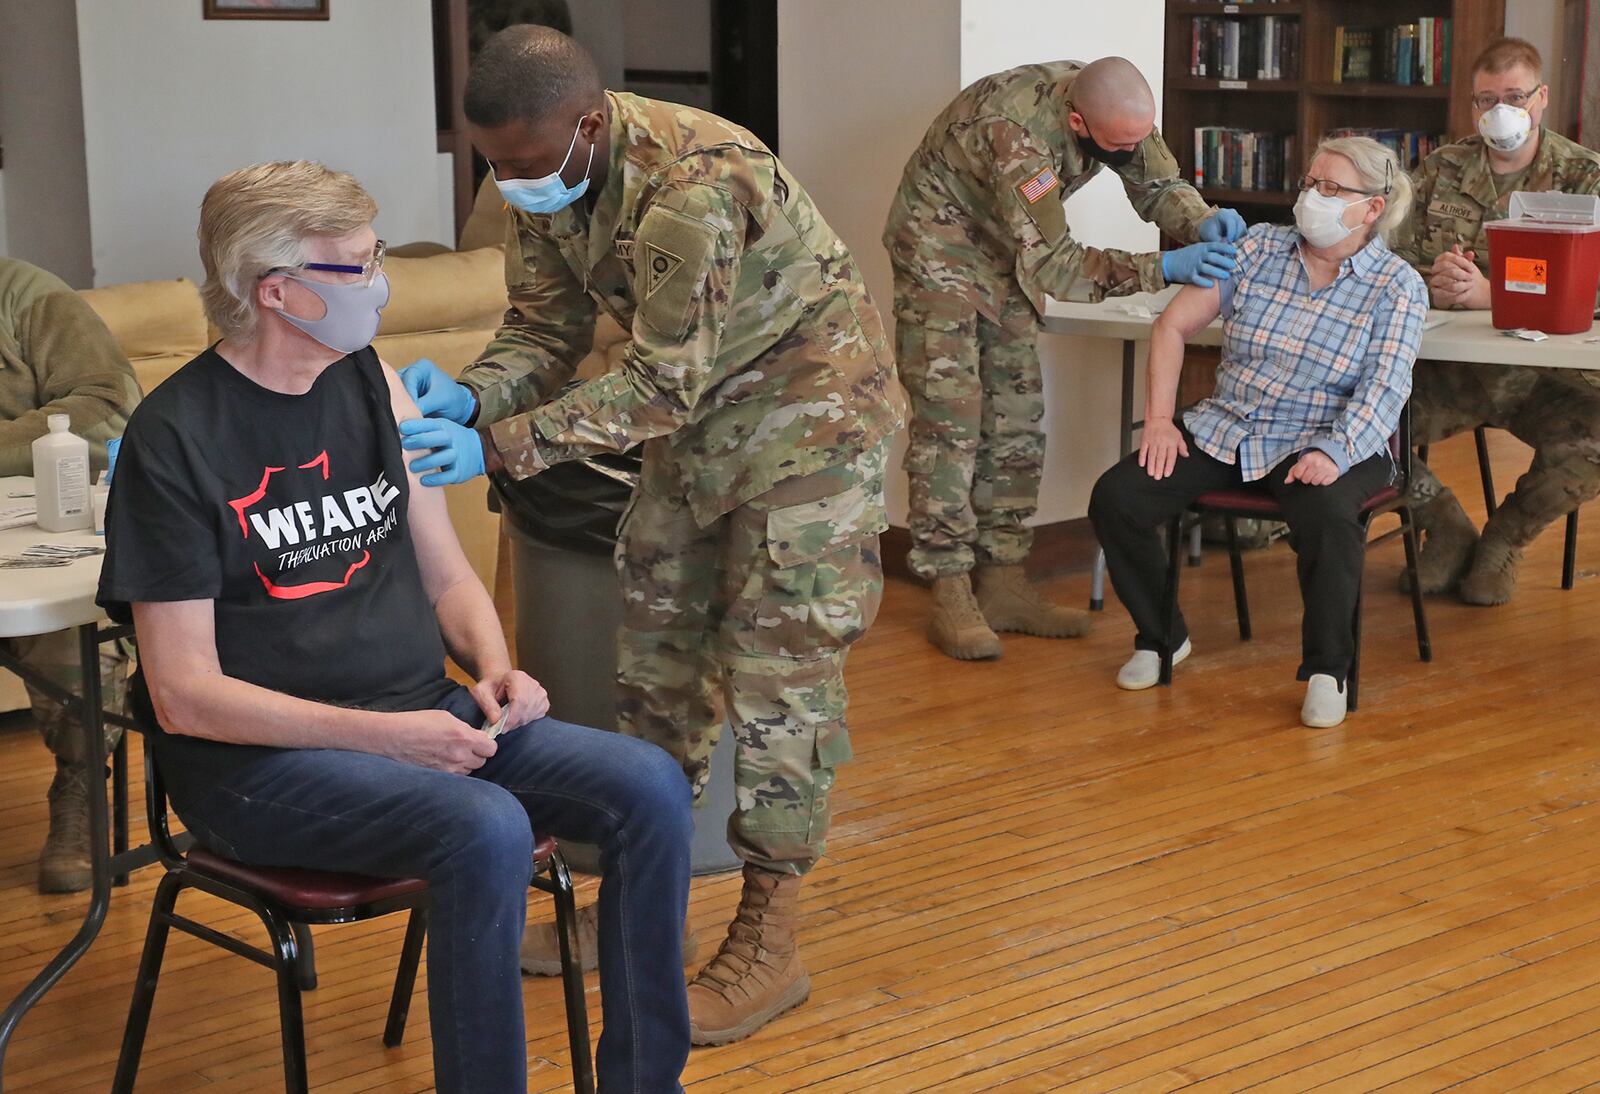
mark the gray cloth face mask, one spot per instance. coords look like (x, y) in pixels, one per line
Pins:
(350, 312)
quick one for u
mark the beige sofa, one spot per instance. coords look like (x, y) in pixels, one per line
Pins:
(444, 307)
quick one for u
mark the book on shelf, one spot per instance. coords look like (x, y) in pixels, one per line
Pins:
(1409, 54)
(1411, 146)
(1241, 159)
(1352, 54)
(1259, 48)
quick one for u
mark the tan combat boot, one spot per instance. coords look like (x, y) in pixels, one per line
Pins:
(757, 974)
(958, 627)
(1447, 548)
(1493, 575)
(541, 949)
(64, 863)
(1010, 602)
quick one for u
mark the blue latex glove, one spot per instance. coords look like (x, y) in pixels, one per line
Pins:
(1198, 263)
(1222, 226)
(436, 394)
(111, 455)
(457, 454)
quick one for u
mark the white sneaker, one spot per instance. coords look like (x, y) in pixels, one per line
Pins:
(1325, 702)
(1143, 669)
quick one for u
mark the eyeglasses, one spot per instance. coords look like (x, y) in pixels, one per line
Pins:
(1488, 100)
(368, 270)
(1330, 189)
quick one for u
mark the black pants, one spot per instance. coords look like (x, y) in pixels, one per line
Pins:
(1128, 508)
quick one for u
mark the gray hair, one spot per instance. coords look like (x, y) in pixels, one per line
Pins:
(1379, 170)
(257, 219)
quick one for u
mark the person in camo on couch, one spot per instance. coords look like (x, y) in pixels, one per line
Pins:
(57, 357)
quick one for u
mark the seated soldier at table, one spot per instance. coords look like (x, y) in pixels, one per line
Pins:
(1320, 327)
(295, 594)
(1460, 188)
(59, 358)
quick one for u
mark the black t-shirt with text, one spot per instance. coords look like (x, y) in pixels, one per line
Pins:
(289, 513)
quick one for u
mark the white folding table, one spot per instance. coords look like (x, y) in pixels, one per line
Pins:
(42, 601)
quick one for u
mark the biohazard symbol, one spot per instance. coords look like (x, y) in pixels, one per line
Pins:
(659, 265)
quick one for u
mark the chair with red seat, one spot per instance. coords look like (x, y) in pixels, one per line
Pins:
(1252, 500)
(288, 901)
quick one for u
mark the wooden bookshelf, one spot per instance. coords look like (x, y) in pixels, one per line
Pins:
(1310, 102)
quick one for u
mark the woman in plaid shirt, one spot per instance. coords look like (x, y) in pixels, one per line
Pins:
(1320, 326)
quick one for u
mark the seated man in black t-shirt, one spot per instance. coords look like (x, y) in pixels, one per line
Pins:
(295, 595)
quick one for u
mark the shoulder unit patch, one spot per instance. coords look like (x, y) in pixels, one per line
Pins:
(660, 264)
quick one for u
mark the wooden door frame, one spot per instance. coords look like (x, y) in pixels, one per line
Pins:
(450, 18)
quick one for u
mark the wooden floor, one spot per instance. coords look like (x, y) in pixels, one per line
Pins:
(1038, 882)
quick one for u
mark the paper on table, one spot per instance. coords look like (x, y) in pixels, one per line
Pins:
(18, 516)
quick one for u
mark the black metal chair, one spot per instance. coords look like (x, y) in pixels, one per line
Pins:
(1491, 500)
(1253, 501)
(288, 902)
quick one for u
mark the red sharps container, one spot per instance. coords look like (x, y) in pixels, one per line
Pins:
(1544, 263)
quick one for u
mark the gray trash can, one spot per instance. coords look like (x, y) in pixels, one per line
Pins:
(563, 527)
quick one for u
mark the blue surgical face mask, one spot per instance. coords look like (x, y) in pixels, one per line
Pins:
(548, 194)
(350, 312)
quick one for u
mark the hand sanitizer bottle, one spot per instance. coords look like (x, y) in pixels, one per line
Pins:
(61, 478)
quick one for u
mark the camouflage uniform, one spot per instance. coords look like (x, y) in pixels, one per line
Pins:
(1555, 411)
(761, 382)
(57, 357)
(56, 656)
(978, 238)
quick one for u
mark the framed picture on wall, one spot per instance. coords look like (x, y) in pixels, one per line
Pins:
(265, 9)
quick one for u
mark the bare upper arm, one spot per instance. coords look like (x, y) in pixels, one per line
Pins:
(177, 645)
(1191, 310)
(439, 554)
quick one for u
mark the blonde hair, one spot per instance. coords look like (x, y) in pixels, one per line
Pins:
(1378, 168)
(257, 219)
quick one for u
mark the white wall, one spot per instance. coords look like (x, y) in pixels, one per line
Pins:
(1541, 22)
(45, 209)
(1082, 376)
(858, 84)
(171, 102)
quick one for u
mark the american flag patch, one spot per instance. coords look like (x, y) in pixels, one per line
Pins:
(1038, 186)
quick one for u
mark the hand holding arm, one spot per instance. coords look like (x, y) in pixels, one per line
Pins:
(1199, 264)
(1223, 226)
(437, 395)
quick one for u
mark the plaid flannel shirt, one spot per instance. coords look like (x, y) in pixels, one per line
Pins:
(1329, 370)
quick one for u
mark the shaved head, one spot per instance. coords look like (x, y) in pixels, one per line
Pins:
(1112, 88)
(528, 74)
(1113, 99)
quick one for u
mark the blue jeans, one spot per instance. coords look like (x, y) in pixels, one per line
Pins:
(471, 837)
